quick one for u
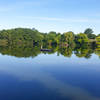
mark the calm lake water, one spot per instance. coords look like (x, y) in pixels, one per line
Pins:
(49, 77)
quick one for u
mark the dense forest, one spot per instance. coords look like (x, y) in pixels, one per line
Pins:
(24, 42)
(27, 36)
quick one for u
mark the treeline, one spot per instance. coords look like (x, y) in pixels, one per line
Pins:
(23, 42)
(25, 36)
(20, 36)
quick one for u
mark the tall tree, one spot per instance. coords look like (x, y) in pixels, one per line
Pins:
(68, 38)
(81, 39)
(89, 33)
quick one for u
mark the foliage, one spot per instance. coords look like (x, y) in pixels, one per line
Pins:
(20, 35)
(81, 39)
(89, 33)
(26, 36)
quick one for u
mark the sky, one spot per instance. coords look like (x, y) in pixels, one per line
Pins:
(51, 15)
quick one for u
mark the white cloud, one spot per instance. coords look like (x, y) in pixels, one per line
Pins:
(70, 20)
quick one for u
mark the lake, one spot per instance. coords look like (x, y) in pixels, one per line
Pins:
(49, 77)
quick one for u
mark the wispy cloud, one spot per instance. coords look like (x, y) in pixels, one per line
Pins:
(71, 20)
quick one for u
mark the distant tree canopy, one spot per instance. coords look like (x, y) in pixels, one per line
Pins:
(68, 38)
(81, 38)
(98, 41)
(89, 33)
(26, 36)
(20, 35)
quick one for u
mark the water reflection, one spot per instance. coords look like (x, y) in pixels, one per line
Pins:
(30, 51)
(56, 75)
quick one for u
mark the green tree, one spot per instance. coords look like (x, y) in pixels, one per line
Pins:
(51, 38)
(89, 33)
(81, 39)
(68, 38)
(97, 50)
(98, 41)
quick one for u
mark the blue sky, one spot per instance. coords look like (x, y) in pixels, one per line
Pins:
(51, 15)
